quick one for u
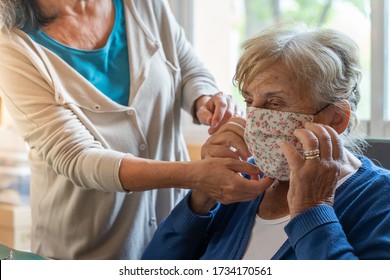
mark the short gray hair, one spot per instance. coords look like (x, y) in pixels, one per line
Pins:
(324, 60)
(20, 14)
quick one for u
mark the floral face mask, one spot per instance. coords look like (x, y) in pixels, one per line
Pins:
(265, 129)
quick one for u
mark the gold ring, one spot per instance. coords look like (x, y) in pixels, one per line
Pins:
(311, 157)
(312, 154)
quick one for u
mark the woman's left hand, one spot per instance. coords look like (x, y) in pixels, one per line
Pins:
(216, 110)
(313, 179)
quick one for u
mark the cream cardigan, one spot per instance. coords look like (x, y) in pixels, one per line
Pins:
(78, 136)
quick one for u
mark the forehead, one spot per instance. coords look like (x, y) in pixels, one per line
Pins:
(277, 76)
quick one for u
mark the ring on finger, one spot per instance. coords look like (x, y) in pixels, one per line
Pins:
(312, 154)
(311, 157)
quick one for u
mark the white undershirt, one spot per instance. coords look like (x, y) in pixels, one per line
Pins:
(268, 235)
(266, 238)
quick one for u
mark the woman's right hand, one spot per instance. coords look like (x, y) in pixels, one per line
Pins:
(221, 180)
(223, 155)
(227, 142)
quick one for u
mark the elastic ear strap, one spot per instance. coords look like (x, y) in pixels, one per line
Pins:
(326, 106)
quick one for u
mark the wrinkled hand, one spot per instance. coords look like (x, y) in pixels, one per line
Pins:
(216, 110)
(313, 181)
(227, 142)
(222, 164)
(220, 179)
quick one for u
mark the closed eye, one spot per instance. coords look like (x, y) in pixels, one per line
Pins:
(274, 104)
(248, 102)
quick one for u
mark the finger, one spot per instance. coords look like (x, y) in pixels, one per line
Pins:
(324, 140)
(224, 109)
(309, 142)
(294, 159)
(225, 145)
(231, 135)
(227, 120)
(221, 152)
(241, 122)
(243, 167)
(337, 145)
(249, 190)
(219, 107)
(204, 115)
(235, 124)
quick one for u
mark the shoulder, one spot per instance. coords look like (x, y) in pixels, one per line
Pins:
(372, 173)
(370, 184)
(19, 51)
(18, 44)
(16, 50)
(15, 38)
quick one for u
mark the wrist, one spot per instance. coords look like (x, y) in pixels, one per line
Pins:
(200, 102)
(200, 203)
(138, 174)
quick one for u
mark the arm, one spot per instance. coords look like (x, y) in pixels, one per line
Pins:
(63, 142)
(324, 236)
(317, 234)
(315, 231)
(182, 235)
(200, 93)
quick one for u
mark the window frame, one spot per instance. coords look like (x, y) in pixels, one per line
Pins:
(378, 126)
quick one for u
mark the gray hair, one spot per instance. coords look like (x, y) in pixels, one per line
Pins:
(20, 14)
(323, 60)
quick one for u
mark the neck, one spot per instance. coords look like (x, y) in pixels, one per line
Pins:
(79, 24)
(350, 164)
(58, 8)
(274, 203)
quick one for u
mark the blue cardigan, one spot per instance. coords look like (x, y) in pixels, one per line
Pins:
(356, 227)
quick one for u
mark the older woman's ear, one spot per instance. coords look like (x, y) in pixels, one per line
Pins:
(337, 116)
(340, 115)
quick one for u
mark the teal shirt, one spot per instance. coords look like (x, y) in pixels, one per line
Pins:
(106, 68)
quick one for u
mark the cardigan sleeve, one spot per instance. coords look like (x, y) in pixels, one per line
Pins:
(182, 235)
(196, 80)
(318, 234)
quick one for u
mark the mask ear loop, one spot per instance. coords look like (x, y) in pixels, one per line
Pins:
(326, 106)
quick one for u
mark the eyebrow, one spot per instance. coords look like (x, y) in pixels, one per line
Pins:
(267, 95)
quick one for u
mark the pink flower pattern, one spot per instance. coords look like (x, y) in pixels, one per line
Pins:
(265, 129)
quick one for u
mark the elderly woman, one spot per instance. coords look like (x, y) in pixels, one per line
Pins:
(96, 89)
(326, 200)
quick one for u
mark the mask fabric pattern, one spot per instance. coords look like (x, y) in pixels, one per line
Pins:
(264, 130)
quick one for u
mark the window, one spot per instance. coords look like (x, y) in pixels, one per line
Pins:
(218, 27)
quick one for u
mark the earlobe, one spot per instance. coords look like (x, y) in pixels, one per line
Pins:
(341, 116)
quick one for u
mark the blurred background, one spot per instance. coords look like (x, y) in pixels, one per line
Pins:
(217, 28)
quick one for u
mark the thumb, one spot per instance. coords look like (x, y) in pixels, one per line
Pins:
(291, 154)
(245, 167)
(204, 116)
